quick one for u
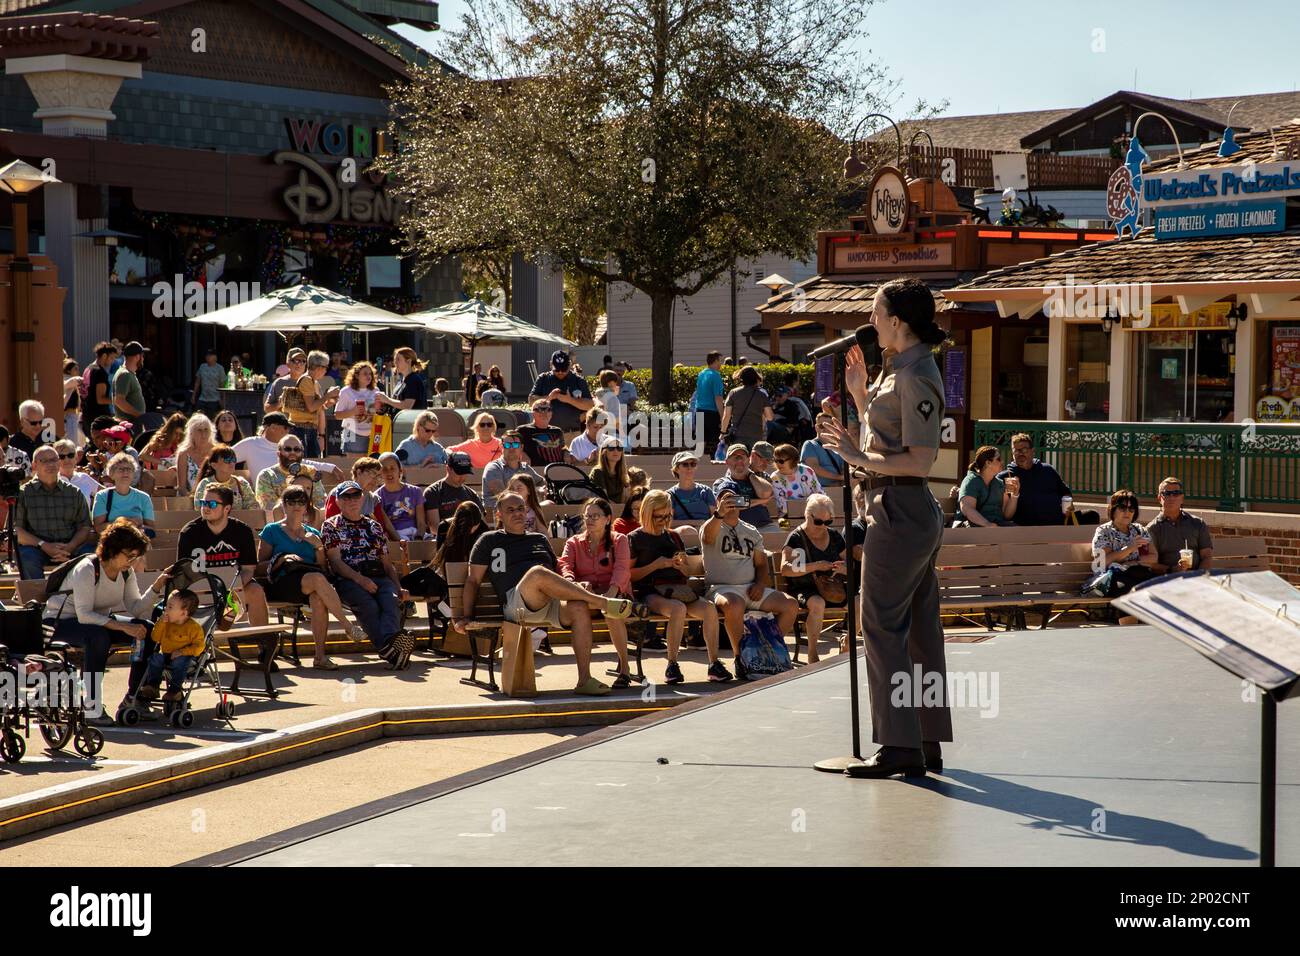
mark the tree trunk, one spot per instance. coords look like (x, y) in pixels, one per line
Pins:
(661, 344)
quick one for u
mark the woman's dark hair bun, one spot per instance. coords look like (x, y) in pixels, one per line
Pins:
(913, 302)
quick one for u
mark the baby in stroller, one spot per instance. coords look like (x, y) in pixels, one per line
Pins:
(180, 641)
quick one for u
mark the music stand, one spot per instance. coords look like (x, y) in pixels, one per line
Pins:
(1248, 623)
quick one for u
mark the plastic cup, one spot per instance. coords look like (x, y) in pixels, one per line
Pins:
(1185, 556)
(1066, 503)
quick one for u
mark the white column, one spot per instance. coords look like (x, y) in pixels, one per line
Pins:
(83, 270)
(1055, 368)
(1121, 374)
(1243, 398)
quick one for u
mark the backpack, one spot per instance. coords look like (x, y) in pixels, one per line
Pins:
(54, 581)
(566, 527)
(762, 648)
(84, 388)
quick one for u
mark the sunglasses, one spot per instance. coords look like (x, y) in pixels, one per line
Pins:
(72, 454)
(688, 464)
(292, 451)
(1171, 494)
(662, 516)
(511, 444)
(486, 425)
(426, 428)
(225, 460)
(822, 522)
(211, 503)
(37, 423)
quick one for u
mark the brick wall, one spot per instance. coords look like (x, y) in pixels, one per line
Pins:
(1283, 546)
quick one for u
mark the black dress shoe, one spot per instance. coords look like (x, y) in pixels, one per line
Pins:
(933, 756)
(890, 762)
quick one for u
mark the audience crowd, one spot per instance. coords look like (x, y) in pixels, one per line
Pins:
(690, 553)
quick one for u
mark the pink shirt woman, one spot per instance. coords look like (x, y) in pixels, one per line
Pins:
(484, 446)
(580, 563)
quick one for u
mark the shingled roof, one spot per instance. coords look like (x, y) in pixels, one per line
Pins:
(1259, 146)
(1211, 259)
(1005, 132)
(823, 295)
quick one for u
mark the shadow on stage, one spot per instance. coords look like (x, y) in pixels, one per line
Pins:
(1077, 817)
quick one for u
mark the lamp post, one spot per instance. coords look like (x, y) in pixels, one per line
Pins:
(20, 179)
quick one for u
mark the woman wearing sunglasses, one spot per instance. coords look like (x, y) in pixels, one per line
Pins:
(812, 550)
(293, 556)
(483, 445)
(659, 568)
(601, 561)
(610, 472)
(792, 481)
(219, 468)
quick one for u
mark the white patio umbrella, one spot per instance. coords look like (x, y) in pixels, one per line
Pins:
(303, 308)
(476, 321)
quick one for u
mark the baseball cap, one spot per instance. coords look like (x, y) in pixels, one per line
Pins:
(281, 371)
(764, 449)
(682, 456)
(207, 352)
(295, 353)
(275, 418)
(133, 348)
(559, 360)
(460, 463)
(611, 441)
(346, 488)
(737, 448)
(118, 433)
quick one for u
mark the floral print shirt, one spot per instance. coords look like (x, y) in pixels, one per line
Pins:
(801, 484)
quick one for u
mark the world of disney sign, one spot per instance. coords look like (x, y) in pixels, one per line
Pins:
(321, 194)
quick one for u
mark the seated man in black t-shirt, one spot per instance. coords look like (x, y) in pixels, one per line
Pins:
(543, 442)
(225, 546)
(521, 566)
(444, 496)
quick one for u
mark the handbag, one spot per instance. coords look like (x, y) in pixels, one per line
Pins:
(677, 591)
(1101, 584)
(833, 588)
(287, 565)
(381, 434)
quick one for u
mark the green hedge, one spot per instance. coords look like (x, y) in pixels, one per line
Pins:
(684, 377)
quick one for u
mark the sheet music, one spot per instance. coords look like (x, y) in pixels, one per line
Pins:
(1247, 623)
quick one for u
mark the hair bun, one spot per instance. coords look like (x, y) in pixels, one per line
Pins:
(932, 334)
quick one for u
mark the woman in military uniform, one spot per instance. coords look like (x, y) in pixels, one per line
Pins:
(900, 592)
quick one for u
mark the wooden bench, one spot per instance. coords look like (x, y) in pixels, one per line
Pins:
(979, 578)
(518, 678)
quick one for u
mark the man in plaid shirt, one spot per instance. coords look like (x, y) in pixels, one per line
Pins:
(51, 520)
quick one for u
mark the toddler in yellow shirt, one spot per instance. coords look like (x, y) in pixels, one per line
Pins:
(180, 640)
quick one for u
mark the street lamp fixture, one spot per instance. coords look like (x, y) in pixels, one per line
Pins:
(1237, 314)
(1108, 322)
(774, 283)
(107, 237)
(20, 180)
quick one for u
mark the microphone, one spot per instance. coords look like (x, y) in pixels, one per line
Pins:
(864, 336)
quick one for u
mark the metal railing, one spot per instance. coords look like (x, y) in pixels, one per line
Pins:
(1235, 465)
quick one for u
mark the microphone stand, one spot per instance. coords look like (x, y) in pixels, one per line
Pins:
(837, 764)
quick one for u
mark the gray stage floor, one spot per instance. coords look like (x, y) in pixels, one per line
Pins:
(1114, 746)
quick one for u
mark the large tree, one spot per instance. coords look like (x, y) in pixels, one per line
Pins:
(652, 143)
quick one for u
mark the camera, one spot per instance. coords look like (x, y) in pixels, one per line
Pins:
(742, 501)
(11, 479)
(295, 468)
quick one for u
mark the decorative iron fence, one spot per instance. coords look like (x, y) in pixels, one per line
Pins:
(1234, 464)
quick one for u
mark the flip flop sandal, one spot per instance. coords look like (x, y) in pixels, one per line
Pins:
(325, 665)
(622, 681)
(618, 608)
(641, 610)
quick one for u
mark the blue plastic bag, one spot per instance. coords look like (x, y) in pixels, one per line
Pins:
(762, 648)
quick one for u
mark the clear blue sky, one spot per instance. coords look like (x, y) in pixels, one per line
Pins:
(989, 56)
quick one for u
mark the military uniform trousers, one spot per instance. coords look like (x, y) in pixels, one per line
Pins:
(900, 617)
